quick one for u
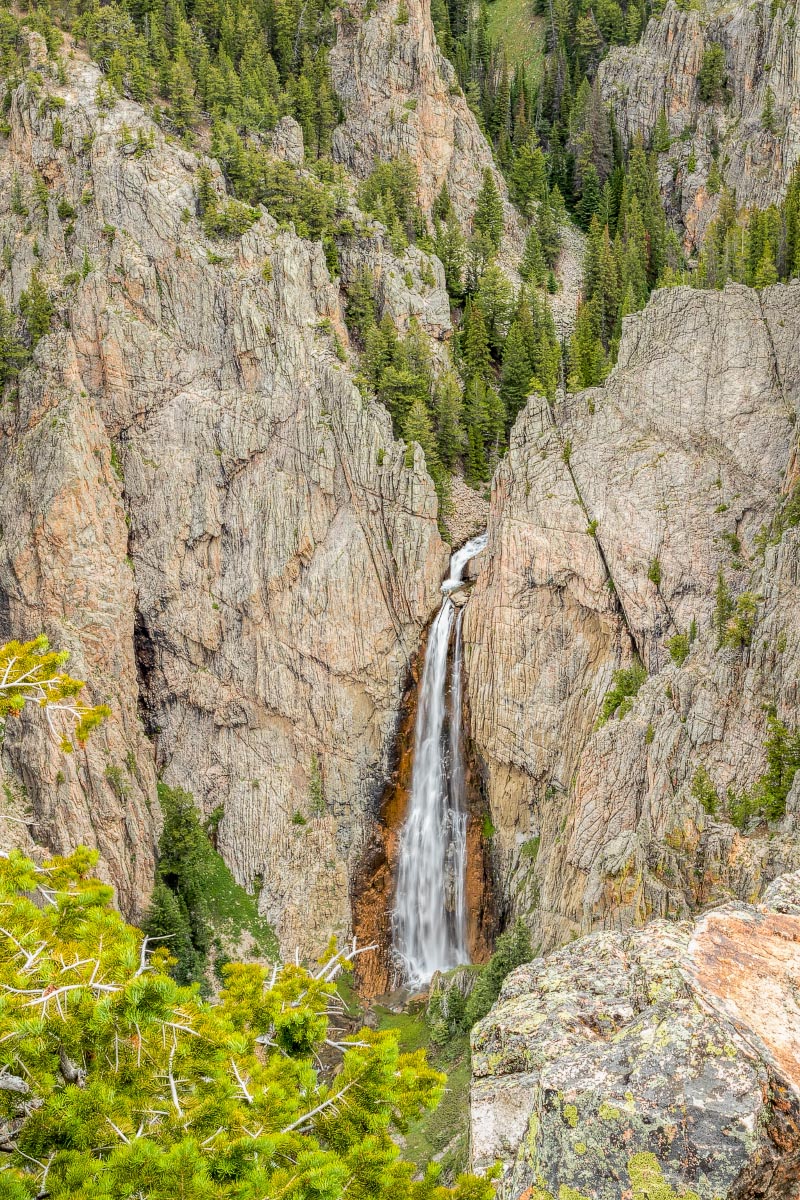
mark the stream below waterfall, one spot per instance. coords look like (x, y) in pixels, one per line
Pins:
(429, 920)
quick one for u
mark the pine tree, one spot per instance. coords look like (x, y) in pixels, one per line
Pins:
(474, 343)
(450, 440)
(12, 352)
(661, 139)
(488, 218)
(417, 428)
(766, 272)
(181, 93)
(515, 379)
(528, 184)
(587, 357)
(533, 268)
(36, 309)
(591, 199)
(768, 112)
(141, 1088)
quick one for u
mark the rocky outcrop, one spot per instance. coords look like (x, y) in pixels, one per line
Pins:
(610, 521)
(196, 501)
(670, 1053)
(408, 287)
(400, 95)
(761, 43)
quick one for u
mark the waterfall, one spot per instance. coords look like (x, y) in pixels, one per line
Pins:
(430, 919)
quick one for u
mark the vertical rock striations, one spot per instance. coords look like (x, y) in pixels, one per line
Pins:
(400, 96)
(610, 522)
(196, 500)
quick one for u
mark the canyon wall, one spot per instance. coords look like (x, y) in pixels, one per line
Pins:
(761, 45)
(400, 95)
(198, 503)
(611, 517)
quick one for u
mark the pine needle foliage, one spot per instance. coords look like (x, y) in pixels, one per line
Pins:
(31, 673)
(115, 1081)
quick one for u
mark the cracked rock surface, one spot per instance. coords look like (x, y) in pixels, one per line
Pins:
(197, 502)
(674, 1041)
(668, 473)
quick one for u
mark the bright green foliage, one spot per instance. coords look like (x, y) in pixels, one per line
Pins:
(451, 1013)
(30, 673)
(512, 949)
(196, 902)
(244, 65)
(121, 1083)
(625, 685)
(678, 646)
(704, 791)
(737, 632)
(661, 138)
(36, 309)
(782, 748)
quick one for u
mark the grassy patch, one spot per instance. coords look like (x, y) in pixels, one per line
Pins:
(233, 911)
(522, 33)
(446, 1128)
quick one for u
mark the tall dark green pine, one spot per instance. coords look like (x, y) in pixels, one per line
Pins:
(488, 218)
(591, 200)
(515, 379)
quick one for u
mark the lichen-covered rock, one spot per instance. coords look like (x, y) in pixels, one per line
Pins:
(668, 1049)
(400, 96)
(196, 501)
(609, 523)
(761, 43)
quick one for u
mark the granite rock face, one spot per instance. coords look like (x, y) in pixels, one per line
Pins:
(670, 1051)
(761, 43)
(400, 96)
(196, 501)
(610, 521)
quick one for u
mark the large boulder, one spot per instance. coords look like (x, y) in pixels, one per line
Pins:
(670, 1053)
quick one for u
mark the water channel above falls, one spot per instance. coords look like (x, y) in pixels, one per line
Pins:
(429, 916)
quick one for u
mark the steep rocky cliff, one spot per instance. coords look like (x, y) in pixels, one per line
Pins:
(611, 518)
(197, 502)
(400, 95)
(761, 44)
(658, 1059)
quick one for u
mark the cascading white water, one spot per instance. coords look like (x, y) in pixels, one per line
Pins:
(430, 919)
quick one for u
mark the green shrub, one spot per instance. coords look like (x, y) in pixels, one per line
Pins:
(738, 631)
(654, 572)
(512, 950)
(625, 685)
(678, 647)
(704, 791)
